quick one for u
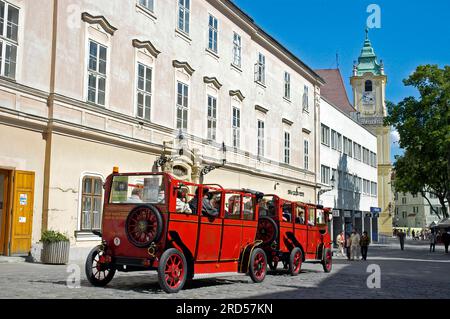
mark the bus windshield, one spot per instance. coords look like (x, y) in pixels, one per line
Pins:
(147, 189)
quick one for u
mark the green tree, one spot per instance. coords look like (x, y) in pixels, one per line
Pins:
(423, 124)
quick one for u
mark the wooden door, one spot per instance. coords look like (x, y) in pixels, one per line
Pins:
(22, 217)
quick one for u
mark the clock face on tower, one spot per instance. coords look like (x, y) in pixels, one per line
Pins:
(368, 98)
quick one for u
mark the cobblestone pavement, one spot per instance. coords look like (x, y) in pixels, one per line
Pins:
(412, 273)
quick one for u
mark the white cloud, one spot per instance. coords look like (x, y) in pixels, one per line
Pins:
(395, 137)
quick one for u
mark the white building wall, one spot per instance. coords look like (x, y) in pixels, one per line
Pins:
(346, 201)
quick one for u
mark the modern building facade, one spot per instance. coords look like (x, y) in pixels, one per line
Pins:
(89, 85)
(348, 161)
(413, 210)
(369, 98)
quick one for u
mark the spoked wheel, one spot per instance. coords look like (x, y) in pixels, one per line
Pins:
(98, 271)
(258, 265)
(172, 271)
(295, 261)
(267, 230)
(328, 262)
(143, 225)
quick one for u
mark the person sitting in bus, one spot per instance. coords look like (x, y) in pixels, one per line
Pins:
(182, 206)
(136, 195)
(207, 209)
(300, 219)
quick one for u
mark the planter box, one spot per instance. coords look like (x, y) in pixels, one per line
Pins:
(56, 253)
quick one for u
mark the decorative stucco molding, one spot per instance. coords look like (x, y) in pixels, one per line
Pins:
(100, 20)
(286, 121)
(213, 81)
(183, 65)
(261, 109)
(146, 45)
(305, 130)
(238, 94)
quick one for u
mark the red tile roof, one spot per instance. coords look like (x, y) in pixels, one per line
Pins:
(334, 89)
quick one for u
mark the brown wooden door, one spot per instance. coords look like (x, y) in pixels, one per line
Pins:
(22, 218)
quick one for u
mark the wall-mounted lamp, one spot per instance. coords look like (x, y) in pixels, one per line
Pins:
(275, 186)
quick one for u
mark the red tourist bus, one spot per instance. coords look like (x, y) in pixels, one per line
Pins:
(294, 232)
(150, 223)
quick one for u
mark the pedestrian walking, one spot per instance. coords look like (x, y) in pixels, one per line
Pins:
(354, 246)
(401, 236)
(365, 242)
(432, 241)
(446, 240)
(413, 235)
(341, 242)
(348, 243)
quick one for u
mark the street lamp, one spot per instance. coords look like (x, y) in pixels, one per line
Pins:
(322, 191)
(208, 168)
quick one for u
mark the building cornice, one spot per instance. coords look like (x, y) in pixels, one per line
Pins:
(183, 65)
(146, 45)
(100, 20)
(238, 94)
(213, 81)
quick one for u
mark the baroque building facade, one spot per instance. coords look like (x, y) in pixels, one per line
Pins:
(195, 88)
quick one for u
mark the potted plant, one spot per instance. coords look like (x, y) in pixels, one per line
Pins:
(55, 248)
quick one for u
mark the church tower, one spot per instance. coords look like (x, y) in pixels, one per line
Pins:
(369, 95)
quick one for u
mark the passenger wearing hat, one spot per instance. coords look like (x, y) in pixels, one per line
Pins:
(207, 208)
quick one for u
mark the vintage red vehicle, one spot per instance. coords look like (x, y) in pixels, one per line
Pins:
(294, 232)
(152, 221)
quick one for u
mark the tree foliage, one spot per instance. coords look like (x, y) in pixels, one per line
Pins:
(423, 124)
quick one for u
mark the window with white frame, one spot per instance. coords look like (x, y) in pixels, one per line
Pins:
(97, 73)
(287, 86)
(366, 187)
(236, 124)
(325, 135)
(373, 188)
(305, 99)
(306, 154)
(339, 142)
(366, 155)
(333, 139)
(9, 28)
(237, 50)
(144, 91)
(213, 33)
(182, 105)
(184, 7)
(148, 4)
(260, 69)
(358, 184)
(91, 203)
(348, 146)
(325, 175)
(212, 117)
(373, 159)
(357, 151)
(260, 138)
(334, 175)
(287, 147)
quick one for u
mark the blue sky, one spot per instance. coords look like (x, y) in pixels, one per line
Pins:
(411, 33)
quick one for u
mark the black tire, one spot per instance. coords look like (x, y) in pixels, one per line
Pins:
(174, 282)
(257, 265)
(151, 227)
(267, 230)
(94, 270)
(327, 262)
(295, 261)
